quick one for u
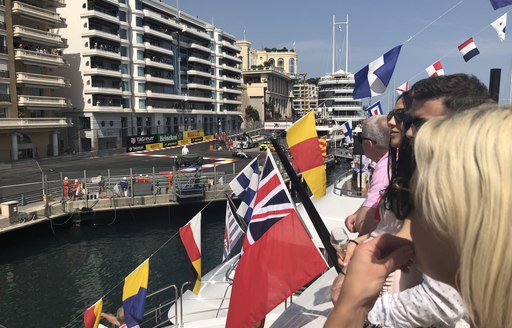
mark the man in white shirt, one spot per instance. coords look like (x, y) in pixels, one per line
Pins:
(184, 151)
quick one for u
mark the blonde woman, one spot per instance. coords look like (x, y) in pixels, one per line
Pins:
(461, 227)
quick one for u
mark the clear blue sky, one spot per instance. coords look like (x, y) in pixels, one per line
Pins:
(375, 27)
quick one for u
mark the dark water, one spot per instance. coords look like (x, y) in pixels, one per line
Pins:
(48, 280)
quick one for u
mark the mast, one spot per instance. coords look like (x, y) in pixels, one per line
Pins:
(333, 40)
(346, 47)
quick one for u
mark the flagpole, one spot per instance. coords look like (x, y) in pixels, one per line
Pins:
(319, 225)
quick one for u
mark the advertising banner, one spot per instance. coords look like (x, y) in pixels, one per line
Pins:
(193, 134)
(155, 146)
(138, 143)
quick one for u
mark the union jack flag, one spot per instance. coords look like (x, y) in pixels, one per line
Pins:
(272, 203)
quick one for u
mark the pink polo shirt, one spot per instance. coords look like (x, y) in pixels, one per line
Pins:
(379, 182)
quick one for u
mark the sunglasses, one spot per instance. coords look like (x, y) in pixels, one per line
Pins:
(400, 114)
(417, 122)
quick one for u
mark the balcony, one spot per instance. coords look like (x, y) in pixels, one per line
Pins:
(232, 58)
(231, 68)
(231, 46)
(158, 62)
(196, 46)
(230, 79)
(161, 33)
(162, 19)
(160, 94)
(100, 14)
(102, 71)
(103, 52)
(193, 59)
(38, 36)
(102, 34)
(158, 48)
(34, 123)
(234, 91)
(41, 80)
(103, 90)
(44, 103)
(194, 32)
(193, 72)
(38, 58)
(36, 13)
(199, 86)
(156, 79)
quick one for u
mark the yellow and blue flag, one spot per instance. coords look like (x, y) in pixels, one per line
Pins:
(134, 295)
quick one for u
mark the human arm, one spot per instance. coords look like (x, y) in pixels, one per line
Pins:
(424, 305)
(362, 221)
(371, 264)
(110, 318)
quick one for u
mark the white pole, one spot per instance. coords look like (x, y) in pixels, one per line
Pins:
(346, 49)
(333, 51)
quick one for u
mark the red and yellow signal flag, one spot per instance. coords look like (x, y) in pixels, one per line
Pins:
(303, 143)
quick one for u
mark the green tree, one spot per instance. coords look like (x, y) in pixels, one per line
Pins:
(251, 114)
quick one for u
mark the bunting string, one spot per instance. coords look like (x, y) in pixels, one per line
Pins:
(80, 316)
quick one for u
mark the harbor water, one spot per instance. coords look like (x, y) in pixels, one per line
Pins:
(50, 275)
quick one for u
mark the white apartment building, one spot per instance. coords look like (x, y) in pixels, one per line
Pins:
(305, 98)
(140, 67)
(31, 111)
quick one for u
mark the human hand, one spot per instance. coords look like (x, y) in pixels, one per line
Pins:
(343, 261)
(350, 222)
(372, 262)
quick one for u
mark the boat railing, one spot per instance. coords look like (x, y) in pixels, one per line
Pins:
(157, 315)
(345, 186)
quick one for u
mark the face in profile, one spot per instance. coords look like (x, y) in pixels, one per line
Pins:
(395, 125)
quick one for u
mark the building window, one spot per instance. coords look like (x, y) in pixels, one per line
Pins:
(138, 21)
(139, 38)
(122, 16)
(219, 37)
(142, 105)
(123, 34)
(138, 5)
(140, 54)
(140, 71)
(125, 85)
(124, 51)
(124, 68)
(280, 62)
(142, 87)
(292, 65)
(3, 113)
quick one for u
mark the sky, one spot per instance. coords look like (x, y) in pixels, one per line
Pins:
(437, 27)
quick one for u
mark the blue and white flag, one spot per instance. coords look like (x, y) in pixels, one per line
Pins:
(232, 233)
(500, 25)
(347, 131)
(375, 109)
(496, 4)
(245, 185)
(373, 79)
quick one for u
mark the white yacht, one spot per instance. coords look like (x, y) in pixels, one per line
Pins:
(209, 308)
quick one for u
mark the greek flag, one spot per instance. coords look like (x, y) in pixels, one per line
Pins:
(245, 185)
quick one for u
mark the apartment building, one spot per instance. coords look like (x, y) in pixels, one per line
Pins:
(141, 67)
(268, 78)
(32, 117)
(305, 98)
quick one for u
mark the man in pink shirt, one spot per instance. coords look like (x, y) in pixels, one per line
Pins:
(375, 142)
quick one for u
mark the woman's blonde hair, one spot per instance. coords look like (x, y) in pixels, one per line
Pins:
(463, 189)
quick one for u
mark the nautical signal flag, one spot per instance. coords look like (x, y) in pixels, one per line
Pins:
(134, 295)
(190, 235)
(92, 315)
(468, 49)
(500, 25)
(280, 259)
(496, 4)
(403, 88)
(232, 232)
(244, 186)
(302, 141)
(373, 79)
(347, 131)
(436, 69)
(323, 145)
(375, 109)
